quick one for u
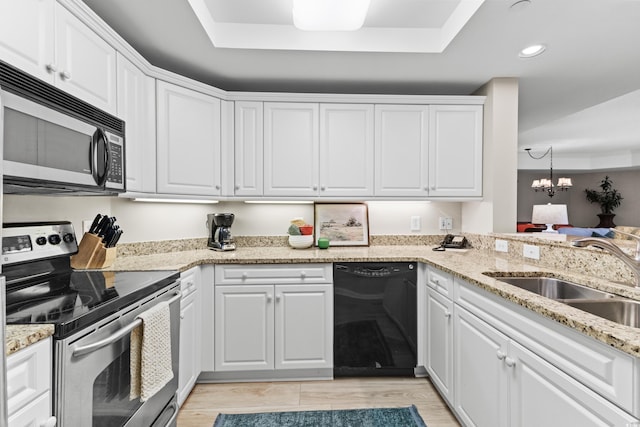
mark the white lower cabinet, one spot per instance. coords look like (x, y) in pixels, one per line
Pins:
(190, 333)
(513, 368)
(29, 386)
(284, 326)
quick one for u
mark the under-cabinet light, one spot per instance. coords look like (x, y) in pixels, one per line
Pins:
(279, 202)
(196, 201)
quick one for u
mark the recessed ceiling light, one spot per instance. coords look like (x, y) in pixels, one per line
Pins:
(329, 15)
(531, 51)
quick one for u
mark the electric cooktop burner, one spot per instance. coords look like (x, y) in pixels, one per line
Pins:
(42, 287)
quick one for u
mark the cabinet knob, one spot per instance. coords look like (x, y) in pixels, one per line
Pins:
(244, 276)
(237, 187)
(500, 355)
(303, 275)
(323, 188)
(269, 298)
(182, 316)
(433, 187)
(49, 422)
(315, 187)
(509, 362)
(278, 297)
(51, 68)
(65, 75)
(436, 281)
(447, 314)
(217, 187)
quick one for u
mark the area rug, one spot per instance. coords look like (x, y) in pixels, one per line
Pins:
(360, 344)
(372, 417)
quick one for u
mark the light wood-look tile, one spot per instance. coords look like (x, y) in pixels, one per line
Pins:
(206, 401)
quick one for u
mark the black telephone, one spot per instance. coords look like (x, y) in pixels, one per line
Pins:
(452, 241)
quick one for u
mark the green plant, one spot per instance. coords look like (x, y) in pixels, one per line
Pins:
(608, 199)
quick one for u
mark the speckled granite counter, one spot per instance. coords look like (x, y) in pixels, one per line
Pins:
(469, 265)
(21, 336)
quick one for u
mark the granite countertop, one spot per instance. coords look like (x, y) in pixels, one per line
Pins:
(469, 265)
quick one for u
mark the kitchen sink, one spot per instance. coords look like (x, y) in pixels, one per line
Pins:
(622, 311)
(556, 289)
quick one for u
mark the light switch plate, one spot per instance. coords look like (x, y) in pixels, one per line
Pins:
(531, 251)
(415, 223)
(445, 223)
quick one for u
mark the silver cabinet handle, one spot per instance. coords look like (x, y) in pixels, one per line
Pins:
(500, 355)
(51, 68)
(65, 75)
(269, 298)
(90, 348)
(323, 188)
(509, 362)
(447, 314)
(244, 276)
(278, 297)
(303, 275)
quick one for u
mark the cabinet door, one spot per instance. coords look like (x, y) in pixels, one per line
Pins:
(291, 144)
(137, 106)
(244, 328)
(440, 343)
(346, 150)
(86, 64)
(480, 391)
(188, 141)
(304, 326)
(542, 395)
(27, 36)
(189, 338)
(401, 147)
(248, 154)
(36, 413)
(455, 150)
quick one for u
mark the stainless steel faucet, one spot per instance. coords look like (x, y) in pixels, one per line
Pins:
(606, 244)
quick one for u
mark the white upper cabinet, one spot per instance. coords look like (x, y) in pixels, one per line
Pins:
(248, 148)
(291, 148)
(455, 150)
(346, 150)
(188, 141)
(86, 64)
(27, 36)
(44, 39)
(401, 150)
(136, 106)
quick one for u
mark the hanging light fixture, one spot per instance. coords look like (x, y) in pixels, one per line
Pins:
(329, 15)
(545, 184)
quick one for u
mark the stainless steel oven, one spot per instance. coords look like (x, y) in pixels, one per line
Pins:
(94, 377)
(93, 313)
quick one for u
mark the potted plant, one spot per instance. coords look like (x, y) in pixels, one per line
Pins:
(608, 198)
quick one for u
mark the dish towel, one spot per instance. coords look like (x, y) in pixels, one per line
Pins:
(151, 353)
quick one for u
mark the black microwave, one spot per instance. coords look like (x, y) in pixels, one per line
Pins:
(54, 143)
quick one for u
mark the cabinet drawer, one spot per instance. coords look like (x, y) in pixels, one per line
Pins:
(28, 374)
(606, 371)
(35, 413)
(272, 274)
(188, 282)
(440, 281)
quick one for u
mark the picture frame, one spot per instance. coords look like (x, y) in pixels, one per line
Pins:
(344, 224)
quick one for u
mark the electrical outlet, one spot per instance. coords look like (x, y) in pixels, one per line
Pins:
(415, 223)
(502, 245)
(445, 223)
(531, 251)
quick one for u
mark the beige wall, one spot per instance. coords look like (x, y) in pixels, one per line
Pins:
(497, 212)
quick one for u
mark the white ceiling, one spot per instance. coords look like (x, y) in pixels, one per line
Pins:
(593, 56)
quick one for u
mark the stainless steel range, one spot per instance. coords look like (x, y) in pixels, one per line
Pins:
(93, 312)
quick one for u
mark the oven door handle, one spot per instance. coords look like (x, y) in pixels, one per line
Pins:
(89, 348)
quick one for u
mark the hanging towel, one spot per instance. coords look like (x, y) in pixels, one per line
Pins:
(151, 353)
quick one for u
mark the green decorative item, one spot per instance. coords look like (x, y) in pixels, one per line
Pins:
(294, 230)
(608, 198)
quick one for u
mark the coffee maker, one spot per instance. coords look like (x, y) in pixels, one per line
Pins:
(220, 238)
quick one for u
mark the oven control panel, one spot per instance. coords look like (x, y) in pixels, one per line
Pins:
(33, 241)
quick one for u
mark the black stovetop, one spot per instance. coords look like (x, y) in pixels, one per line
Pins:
(72, 300)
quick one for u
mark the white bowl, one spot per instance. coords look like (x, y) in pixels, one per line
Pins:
(301, 242)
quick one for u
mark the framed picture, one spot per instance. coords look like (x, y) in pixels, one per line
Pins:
(344, 224)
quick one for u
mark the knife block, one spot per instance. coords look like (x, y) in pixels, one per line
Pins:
(92, 253)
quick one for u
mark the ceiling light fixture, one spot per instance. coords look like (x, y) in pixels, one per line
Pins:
(329, 15)
(531, 51)
(547, 184)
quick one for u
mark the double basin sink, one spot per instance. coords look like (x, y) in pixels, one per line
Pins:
(609, 306)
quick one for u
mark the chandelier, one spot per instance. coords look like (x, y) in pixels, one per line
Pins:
(545, 184)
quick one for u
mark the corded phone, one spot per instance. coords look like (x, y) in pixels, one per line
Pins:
(452, 241)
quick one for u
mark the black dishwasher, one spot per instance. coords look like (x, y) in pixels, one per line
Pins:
(375, 325)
